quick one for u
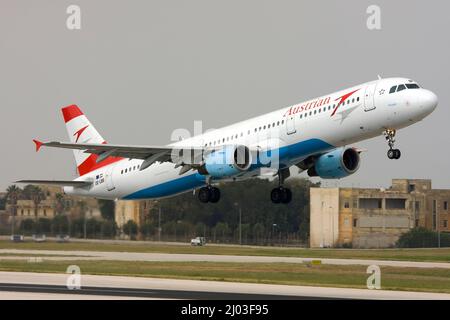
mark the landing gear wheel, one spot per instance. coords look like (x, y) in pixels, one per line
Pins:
(276, 195)
(214, 195)
(390, 137)
(204, 194)
(394, 154)
(391, 154)
(287, 195)
(281, 195)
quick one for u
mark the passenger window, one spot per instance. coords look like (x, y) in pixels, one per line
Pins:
(278, 123)
(393, 89)
(282, 121)
(301, 116)
(401, 87)
(357, 99)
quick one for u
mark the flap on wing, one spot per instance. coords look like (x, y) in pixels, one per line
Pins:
(60, 183)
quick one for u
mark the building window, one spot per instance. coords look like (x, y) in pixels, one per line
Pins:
(355, 223)
(395, 204)
(346, 204)
(416, 224)
(434, 226)
(45, 212)
(417, 205)
(411, 187)
(445, 224)
(370, 203)
(445, 205)
(21, 212)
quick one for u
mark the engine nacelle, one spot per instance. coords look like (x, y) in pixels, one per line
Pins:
(227, 161)
(336, 164)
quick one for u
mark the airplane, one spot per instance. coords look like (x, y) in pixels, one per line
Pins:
(313, 136)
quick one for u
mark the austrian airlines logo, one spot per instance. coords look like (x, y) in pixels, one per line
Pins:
(79, 132)
(342, 100)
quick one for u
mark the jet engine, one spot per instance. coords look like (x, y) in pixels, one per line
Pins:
(227, 161)
(339, 163)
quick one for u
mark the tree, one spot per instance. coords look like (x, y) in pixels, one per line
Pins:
(13, 193)
(422, 238)
(60, 224)
(222, 229)
(130, 229)
(107, 209)
(43, 225)
(27, 226)
(147, 229)
(108, 228)
(36, 194)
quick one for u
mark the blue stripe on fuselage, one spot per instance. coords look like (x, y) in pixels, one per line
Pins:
(182, 184)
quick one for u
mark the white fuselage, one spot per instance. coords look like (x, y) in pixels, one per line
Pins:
(301, 130)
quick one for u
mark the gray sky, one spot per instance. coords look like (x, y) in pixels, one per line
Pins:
(140, 69)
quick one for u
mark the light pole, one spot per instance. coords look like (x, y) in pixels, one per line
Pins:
(159, 222)
(240, 222)
(438, 224)
(273, 231)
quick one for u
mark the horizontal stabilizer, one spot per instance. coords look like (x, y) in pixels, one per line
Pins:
(59, 183)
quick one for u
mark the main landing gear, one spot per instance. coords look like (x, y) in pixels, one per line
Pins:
(209, 193)
(390, 137)
(281, 194)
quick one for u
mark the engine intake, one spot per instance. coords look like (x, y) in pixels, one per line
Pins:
(227, 161)
(336, 164)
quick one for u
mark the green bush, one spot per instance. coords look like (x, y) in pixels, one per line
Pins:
(422, 238)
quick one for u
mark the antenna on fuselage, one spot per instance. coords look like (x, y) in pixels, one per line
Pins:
(379, 77)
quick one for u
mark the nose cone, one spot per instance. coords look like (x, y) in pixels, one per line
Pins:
(428, 101)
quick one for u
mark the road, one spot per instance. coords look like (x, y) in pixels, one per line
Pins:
(135, 256)
(22, 285)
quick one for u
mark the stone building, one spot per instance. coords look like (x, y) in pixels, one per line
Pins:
(137, 211)
(375, 218)
(54, 201)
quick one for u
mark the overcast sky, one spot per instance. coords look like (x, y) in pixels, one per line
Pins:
(140, 69)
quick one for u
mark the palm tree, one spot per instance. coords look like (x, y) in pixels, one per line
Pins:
(36, 194)
(13, 193)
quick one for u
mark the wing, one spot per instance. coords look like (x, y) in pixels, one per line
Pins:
(59, 183)
(150, 154)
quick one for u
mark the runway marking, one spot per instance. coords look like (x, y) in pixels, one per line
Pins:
(146, 293)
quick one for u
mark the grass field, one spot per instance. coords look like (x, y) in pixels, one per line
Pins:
(432, 255)
(392, 278)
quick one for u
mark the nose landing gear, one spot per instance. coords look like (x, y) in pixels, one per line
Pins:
(390, 137)
(281, 194)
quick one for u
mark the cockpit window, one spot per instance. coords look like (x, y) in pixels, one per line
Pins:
(412, 86)
(393, 89)
(401, 87)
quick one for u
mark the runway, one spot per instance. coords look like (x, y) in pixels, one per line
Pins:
(22, 285)
(173, 257)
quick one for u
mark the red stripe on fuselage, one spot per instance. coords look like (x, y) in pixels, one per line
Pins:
(71, 112)
(89, 164)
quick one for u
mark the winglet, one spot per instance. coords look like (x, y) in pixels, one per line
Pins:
(38, 144)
